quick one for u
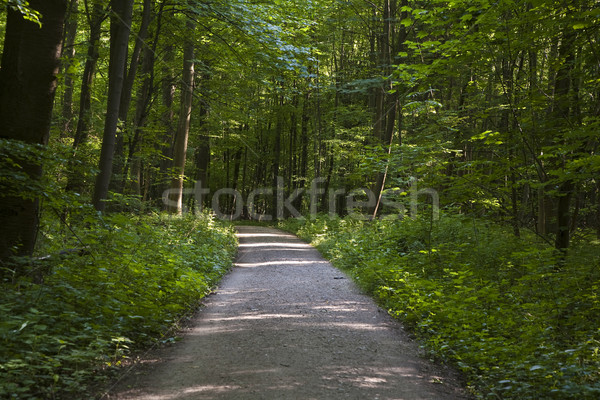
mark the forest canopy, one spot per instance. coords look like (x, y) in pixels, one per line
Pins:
(493, 105)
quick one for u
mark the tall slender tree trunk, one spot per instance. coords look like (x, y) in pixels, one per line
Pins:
(507, 82)
(28, 80)
(119, 27)
(278, 106)
(75, 181)
(291, 168)
(168, 125)
(541, 194)
(202, 162)
(387, 102)
(126, 95)
(68, 55)
(562, 112)
(202, 154)
(89, 71)
(183, 127)
(303, 167)
(141, 114)
(598, 209)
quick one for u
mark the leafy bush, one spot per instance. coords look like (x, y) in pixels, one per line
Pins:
(131, 282)
(519, 321)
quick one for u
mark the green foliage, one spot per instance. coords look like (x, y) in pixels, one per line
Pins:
(517, 320)
(25, 9)
(16, 179)
(125, 285)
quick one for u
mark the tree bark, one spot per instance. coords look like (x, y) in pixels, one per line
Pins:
(202, 154)
(387, 103)
(119, 26)
(143, 100)
(303, 167)
(562, 113)
(278, 106)
(89, 71)
(598, 209)
(68, 55)
(28, 80)
(183, 127)
(126, 95)
(162, 181)
(75, 180)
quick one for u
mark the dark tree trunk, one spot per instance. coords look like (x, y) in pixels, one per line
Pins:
(30, 63)
(126, 95)
(237, 160)
(563, 216)
(324, 204)
(167, 121)
(303, 172)
(598, 209)
(291, 169)
(119, 27)
(277, 151)
(89, 71)
(562, 114)
(75, 181)
(202, 161)
(387, 102)
(68, 56)
(202, 155)
(141, 115)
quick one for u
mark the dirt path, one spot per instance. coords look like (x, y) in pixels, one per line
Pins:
(285, 324)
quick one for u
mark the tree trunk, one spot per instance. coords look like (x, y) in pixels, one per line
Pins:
(135, 184)
(183, 127)
(68, 56)
(291, 168)
(126, 95)
(202, 162)
(119, 27)
(303, 172)
(28, 80)
(202, 154)
(387, 103)
(89, 71)
(75, 180)
(598, 209)
(167, 121)
(278, 106)
(143, 101)
(562, 113)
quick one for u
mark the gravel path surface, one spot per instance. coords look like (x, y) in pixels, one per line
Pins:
(285, 324)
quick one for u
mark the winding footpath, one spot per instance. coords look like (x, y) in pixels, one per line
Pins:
(285, 324)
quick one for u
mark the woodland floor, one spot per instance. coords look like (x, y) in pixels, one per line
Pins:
(285, 324)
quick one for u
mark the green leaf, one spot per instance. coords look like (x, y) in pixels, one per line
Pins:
(407, 22)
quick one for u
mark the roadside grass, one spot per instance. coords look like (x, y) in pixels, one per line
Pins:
(123, 286)
(520, 321)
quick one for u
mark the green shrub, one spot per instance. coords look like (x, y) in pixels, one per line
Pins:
(519, 322)
(131, 282)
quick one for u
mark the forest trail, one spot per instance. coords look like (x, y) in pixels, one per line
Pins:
(285, 324)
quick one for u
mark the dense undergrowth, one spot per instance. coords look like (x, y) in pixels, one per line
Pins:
(520, 321)
(124, 284)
